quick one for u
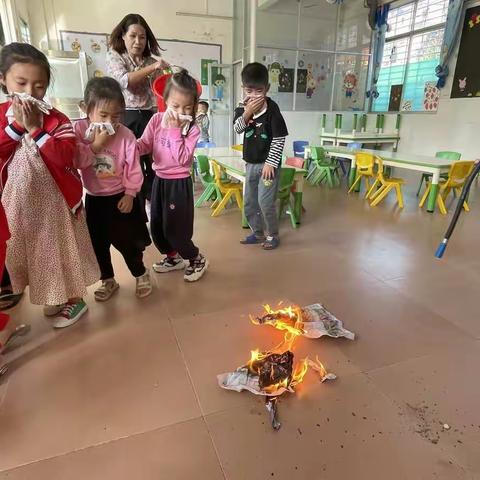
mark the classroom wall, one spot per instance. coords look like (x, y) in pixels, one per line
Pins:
(100, 16)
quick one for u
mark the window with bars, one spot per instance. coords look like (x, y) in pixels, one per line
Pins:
(412, 51)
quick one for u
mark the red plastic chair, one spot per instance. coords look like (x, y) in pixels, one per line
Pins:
(158, 87)
(295, 162)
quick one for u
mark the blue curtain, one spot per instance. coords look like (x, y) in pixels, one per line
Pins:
(381, 27)
(452, 32)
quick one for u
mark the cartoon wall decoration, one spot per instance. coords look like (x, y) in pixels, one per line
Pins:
(95, 46)
(466, 81)
(311, 81)
(219, 82)
(301, 80)
(274, 72)
(286, 80)
(431, 97)
(350, 83)
(407, 106)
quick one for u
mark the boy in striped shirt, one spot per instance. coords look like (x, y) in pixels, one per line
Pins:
(264, 129)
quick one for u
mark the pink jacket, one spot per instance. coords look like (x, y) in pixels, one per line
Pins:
(171, 151)
(115, 169)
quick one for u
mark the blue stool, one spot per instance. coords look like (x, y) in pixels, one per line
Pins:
(299, 148)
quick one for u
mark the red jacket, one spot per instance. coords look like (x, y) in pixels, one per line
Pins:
(56, 143)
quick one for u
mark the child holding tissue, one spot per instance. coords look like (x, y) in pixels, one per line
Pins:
(108, 159)
(171, 137)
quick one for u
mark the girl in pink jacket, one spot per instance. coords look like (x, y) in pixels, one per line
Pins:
(109, 163)
(171, 138)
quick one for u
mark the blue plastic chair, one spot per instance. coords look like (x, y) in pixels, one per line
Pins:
(299, 148)
(206, 145)
(346, 163)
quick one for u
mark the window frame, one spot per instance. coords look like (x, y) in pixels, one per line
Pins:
(410, 34)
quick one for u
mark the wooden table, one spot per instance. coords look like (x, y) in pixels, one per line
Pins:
(232, 161)
(407, 161)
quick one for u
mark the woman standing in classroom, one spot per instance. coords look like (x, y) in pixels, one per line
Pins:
(130, 62)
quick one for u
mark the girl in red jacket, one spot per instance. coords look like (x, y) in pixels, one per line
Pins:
(49, 248)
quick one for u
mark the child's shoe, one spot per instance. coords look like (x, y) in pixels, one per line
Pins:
(252, 240)
(106, 290)
(196, 269)
(271, 243)
(169, 264)
(71, 313)
(144, 285)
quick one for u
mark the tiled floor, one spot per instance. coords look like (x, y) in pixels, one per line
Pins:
(130, 391)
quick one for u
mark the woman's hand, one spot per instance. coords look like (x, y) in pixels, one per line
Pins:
(125, 204)
(32, 116)
(159, 65)
(101, 138)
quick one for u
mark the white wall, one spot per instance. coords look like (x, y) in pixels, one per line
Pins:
(102, 15)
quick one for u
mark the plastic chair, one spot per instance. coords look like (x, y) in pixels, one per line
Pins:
(322, 168)
(287, 178)
(227, 189)
(346, 163)
(457, 175)
(299, 148)
(426, 177)
(201, 144)
(295, 162)
(239, 148)
(386, 184)
(211, 191)
(365, 169)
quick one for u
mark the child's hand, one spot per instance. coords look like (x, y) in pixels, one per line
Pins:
(254, 106)
(268, 172)
(32, 116)
(173, 120)
(17, 110)
(125, 204)
(101, 138)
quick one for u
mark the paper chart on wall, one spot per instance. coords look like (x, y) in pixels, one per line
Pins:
(95, 46)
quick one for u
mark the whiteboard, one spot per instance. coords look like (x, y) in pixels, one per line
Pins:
(95, 46)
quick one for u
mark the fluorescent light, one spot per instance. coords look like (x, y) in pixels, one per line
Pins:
(203, 15)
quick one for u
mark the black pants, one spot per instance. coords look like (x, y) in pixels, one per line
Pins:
(171, 221)
(136, 121)
(127, 232)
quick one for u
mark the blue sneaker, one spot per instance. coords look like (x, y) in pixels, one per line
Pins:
(252, 240)
(271, 243)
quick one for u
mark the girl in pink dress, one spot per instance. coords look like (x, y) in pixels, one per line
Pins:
(49, 249)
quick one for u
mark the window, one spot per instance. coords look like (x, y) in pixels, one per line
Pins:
(412, 51)
(24, 31)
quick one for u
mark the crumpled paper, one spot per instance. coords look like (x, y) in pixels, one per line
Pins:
(169, 112)
(42, 105)
(94, 125)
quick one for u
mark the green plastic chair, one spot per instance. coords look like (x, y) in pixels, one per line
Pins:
(286, 182)
(427, 176)
(211, 191)
(322, 169)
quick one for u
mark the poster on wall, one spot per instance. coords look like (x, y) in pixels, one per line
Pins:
(395, 98)
(301, 80)
(431, 97)
(466, 80)
(285, 82)
(95, 46)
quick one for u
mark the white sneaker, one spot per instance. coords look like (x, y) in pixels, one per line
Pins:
(71, 313)
(169, 264)
(144, 285)
(52, 310)
(196, 269)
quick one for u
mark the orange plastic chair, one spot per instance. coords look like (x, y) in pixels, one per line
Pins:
(457, 176)
(227, 189)
(385, 185)
(365, 163)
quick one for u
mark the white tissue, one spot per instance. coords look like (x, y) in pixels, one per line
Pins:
(42, 105)
(169, 112)
(91, 128)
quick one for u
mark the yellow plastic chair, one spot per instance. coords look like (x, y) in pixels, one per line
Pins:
(238, 147)
(457, 176)
(227, 189)
(365, 163)
(384, 186)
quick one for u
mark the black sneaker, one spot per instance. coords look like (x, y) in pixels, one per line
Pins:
(169, 264)
(196, 269)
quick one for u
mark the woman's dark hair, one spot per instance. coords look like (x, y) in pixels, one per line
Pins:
(22, 53)
(117, 43)
(102, 89)
(184, 82)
